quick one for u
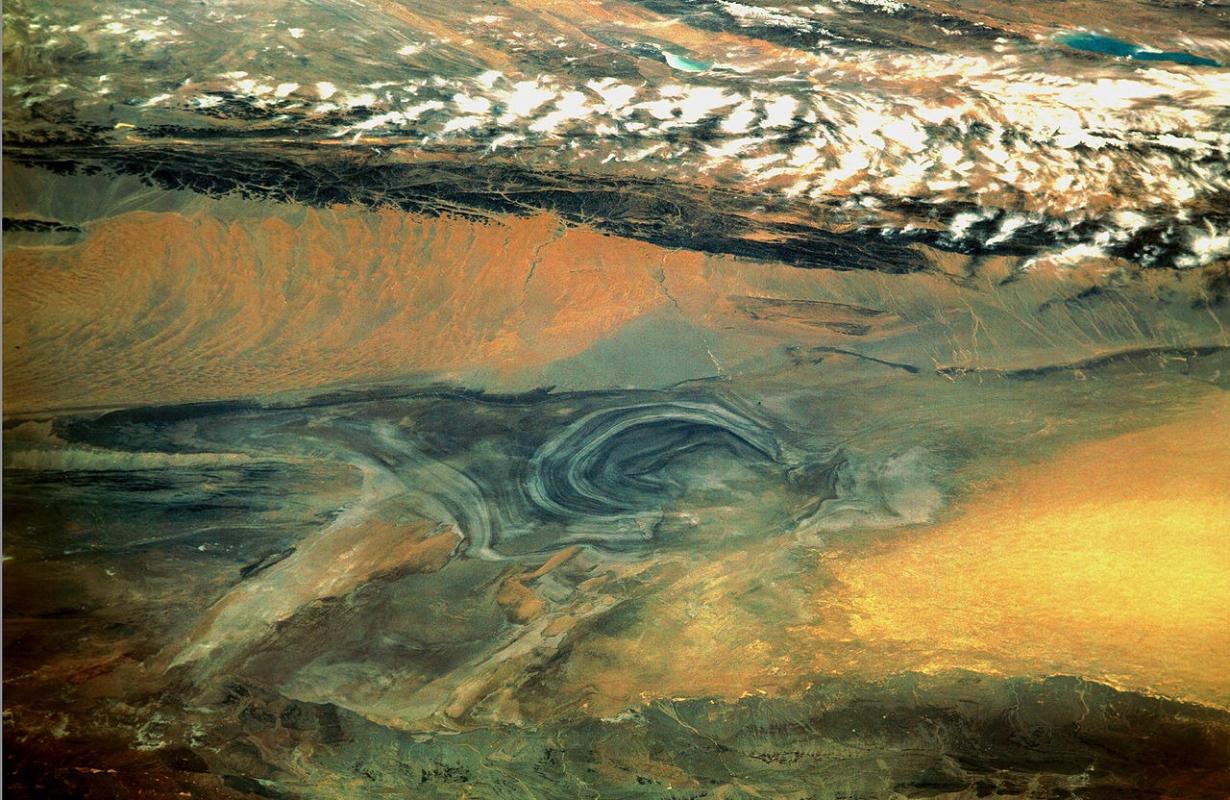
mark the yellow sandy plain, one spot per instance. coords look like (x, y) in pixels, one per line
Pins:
(1111, 560)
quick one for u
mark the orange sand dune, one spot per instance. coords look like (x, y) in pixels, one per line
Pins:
(168, 307)
(174, 307)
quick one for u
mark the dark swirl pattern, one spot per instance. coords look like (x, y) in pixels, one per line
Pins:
(609, 474)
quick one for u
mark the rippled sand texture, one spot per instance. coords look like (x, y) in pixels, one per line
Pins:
(616, 399)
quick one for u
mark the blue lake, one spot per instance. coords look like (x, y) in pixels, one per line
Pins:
(1107, 45)
(684, 63)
